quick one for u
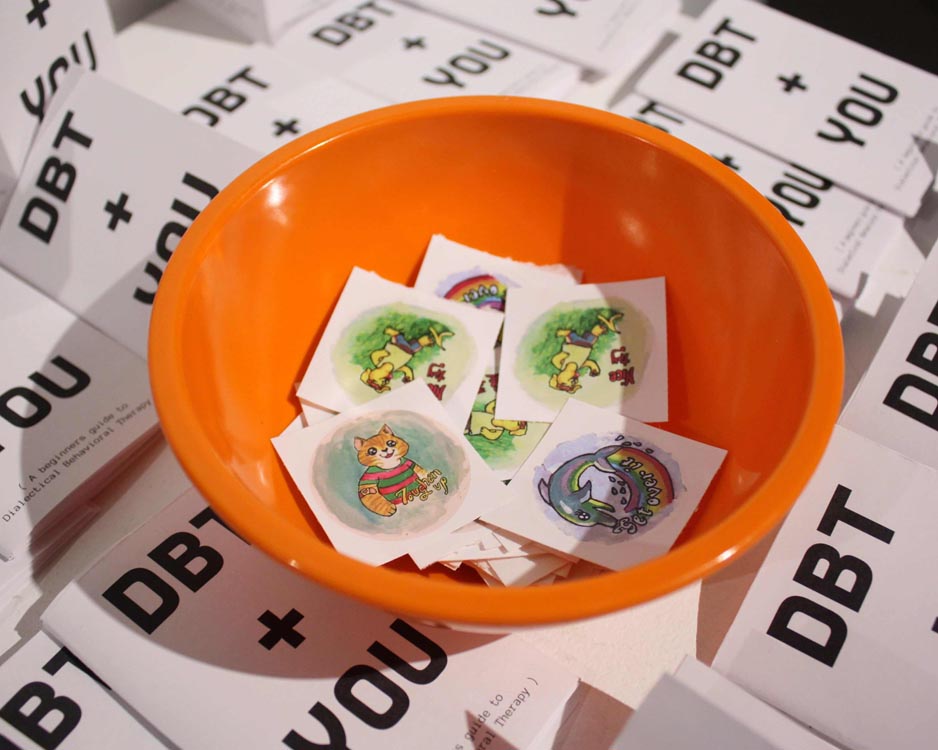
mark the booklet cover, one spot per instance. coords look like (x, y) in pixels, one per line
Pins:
(49, 699)
(838, 629)
(43, 43)
(183, 613)
(111, 184)
(72, 403)
(401, 53)
(896, 402)
(698, 702)
(846, 234)
(806, 95)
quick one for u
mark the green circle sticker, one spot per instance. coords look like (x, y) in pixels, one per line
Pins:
(393, 344)
(594, 349)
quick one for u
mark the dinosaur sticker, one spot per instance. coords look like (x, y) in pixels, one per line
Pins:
(383, 336)
(605, 344)
(607, 488)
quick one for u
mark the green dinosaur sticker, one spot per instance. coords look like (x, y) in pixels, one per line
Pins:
(393, 344)
(594, 349)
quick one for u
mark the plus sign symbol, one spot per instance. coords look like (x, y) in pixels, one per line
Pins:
(37, 13)
(118, 211)
(286, 126)
(792, 83)
(728, 160)
(281, 629)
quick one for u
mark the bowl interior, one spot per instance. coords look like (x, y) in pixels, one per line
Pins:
(755, 364)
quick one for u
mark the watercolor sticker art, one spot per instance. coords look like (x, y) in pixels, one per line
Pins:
(607, 488)
(605, 344)
(463, 274)
(383, 335)
(388, 476)
(503, 444)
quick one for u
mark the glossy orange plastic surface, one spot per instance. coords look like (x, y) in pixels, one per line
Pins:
(756, 361)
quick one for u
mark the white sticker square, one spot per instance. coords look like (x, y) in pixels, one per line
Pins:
(605, 344)
(385, 477)
(606, 488)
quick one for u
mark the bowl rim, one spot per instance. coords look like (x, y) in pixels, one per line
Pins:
(468, 604)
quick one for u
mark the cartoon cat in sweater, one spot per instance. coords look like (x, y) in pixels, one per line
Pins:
(389, 478)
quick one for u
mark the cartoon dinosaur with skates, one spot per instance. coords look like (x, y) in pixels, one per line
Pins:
(395, 355)
(575, 353)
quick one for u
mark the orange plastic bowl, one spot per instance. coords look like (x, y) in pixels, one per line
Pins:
(756, 362)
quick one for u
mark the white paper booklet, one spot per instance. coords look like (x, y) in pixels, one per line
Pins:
(806, 95)
(49, 699)
(845, 233)
(272, 660)
(839, 627)
(248, 93)
(72, 401)
(401, 53)
(42, 42)
(110, 186)
(262, 20)
(896, 402)
(598, 35)
(698, 702)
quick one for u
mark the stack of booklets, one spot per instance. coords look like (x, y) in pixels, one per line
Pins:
(74, 405)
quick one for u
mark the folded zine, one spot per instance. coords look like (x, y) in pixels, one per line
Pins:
(183, 613)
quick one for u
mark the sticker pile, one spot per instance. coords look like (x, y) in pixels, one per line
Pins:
(494, 415)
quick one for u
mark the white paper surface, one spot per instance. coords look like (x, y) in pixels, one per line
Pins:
(212, 649)
(48, 699)
(625, 653)
(401, 53)
(806, 95)
(72, 402)
(597, 35)
(839, 627)
(698, 703)
(127, 178)
(44, 43)
(845, 233)
(896, 402)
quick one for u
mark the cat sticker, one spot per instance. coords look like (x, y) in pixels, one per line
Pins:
(607, 488)
(383, 336)
(391, 476)
(605, 344)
